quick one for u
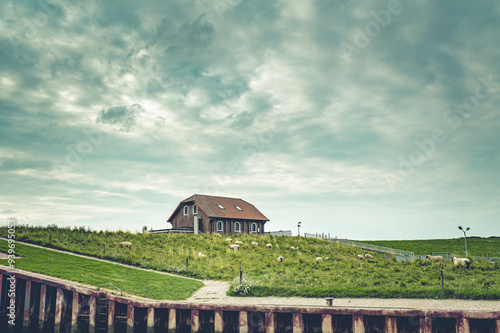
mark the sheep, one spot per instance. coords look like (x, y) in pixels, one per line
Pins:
(327, 258)
(125, 244)
(369, 256)
(201, 254)
(461, 262)
(270, 246)
(434, 258)
(292, 248)
(359, 256)
(234, 247)
(280, 259)
(228, 240)
(255, 244)
(319, 259)
(239, 243)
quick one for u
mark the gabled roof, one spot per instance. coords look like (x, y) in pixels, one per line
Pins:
(209, 205)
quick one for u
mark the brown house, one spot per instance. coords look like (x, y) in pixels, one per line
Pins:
(206, 213)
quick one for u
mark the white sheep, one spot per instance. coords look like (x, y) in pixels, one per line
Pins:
(280, 259)
(125, 244)
(461, 262)
(201, 254)
(270, 246)
(368, 256)
(319, 259)
(255, 244)
(239, 243)
(359, 256)
(234, 247)
(434, 258)
(228, 240)
(327, 258)
(292, 248)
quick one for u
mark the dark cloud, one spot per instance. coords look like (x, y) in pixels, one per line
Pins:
(122, 116)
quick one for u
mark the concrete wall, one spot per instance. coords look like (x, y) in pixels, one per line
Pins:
(44, 304)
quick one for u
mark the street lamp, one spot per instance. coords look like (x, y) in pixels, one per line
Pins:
(465, 236)
(298, 228)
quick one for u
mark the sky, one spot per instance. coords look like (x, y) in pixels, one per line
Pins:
(361, 119)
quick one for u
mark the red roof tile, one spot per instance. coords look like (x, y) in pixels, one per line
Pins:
(208, 204)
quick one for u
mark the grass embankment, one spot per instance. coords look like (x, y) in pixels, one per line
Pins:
(476, 246)
(91, 272)
(299, 275)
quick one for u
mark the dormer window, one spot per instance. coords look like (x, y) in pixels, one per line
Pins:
(195, 210)
(238, 208)
(220, 206)
(186, 210)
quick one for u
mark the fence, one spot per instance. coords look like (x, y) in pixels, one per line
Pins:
(401, 254)
(279, 233)
(360, 245)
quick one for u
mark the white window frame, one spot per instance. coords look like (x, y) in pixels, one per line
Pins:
(253, 227)
(221, 226)
(239, 227)
(195, 209)
(186, 210)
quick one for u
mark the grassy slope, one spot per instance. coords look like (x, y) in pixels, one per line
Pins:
(298, 275)
(475, 246)
(92, 272)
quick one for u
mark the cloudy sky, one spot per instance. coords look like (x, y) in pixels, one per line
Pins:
(362, 119)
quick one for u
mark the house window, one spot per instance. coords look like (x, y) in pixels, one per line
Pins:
(237, 227)
(220, 206)
(254, 227)
(238, 208)
(186, 210)
(219, 226)
(195, 209)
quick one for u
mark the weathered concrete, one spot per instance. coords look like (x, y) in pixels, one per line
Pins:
(75, 311)
(59, 303)
(271, 312)
(111, 317)
(243, 322)
(298, 323)
(43, 300)
(151, 320)
(358, 324)
(195, 320)
(426, 325)
(171, 321)
(391, 325)
(218, 321)
(92, 314)
(463, 325)
(270, 322)
(326, 323)
(130, 318)
(27, 303)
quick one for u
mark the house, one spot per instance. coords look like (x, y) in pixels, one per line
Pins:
(206, 213)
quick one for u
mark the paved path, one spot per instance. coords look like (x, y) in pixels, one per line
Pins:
(214, 292)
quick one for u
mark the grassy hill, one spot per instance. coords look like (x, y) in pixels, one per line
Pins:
(94, 273)
(342, 275)
(476, 246)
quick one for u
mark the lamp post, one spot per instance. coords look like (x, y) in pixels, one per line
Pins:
(298, 228)
(465, 236)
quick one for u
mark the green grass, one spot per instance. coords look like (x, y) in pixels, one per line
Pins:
(476, 246)
(94, 273)
(299, 275)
